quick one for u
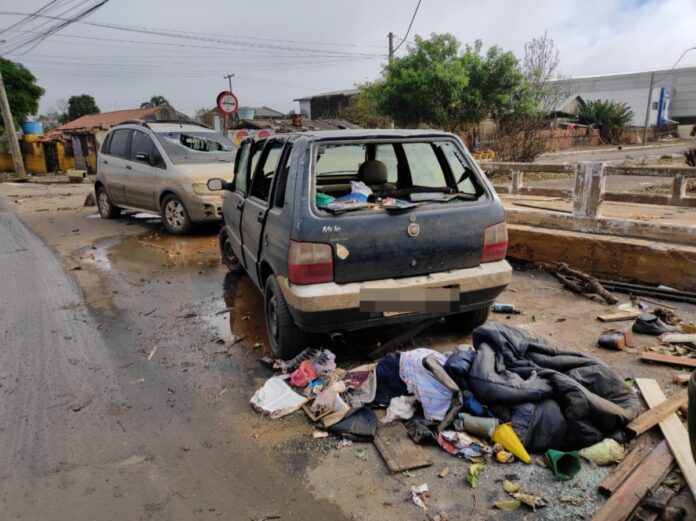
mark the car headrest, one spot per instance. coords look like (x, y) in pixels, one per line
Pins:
(373, 172)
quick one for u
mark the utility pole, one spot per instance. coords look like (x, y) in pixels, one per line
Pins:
(391, 46)
(10, 132)
(227, 77)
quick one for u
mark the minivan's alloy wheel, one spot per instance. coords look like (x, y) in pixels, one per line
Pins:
(229, 258)
(174, 215)
(286, 339)
(106, 208)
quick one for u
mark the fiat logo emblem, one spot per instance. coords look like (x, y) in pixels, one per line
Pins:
(413, 230)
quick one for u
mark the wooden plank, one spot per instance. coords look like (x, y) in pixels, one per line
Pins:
(633, 490)
(678, 338)
(656, 414)
(673, 431)
(651, 171)
(613, 481)
(404, 337)
(398, 450)
(649, 356)
(627, 314)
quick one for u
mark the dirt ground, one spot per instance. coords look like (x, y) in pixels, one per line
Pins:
(185, 337)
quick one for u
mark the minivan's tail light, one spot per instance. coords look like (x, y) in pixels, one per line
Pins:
(310, 263)
(495, 243)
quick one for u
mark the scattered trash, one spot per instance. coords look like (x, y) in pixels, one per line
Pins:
(573, 500)
(580, 283)
(472, 475)
(605, 452)
(441, 516)
(152, 353)
(319, 434)
(89, 200)
(565, 465)
(510, 309)
(276, 399)
(615, 339)
(503, 456)
(681, 379)
(444, 472)
(303, 374)
(462, 444)
(344, 443)
(649, 324)
(507, 505)
(359, 424)
(420, 495)
(505, 435)
(400, 408)
(478, 426)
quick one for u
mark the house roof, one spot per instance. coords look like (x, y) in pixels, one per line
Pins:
(347, 92)
(569, 105)
(105, 120)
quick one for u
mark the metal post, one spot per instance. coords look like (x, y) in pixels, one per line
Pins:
(229, 78)
(10, 132)
(649, 109)
(391, 46)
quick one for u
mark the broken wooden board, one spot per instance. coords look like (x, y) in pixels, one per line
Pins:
(613, 481)
(656, 414)
(401, 339)
(627, 314)
(398, 450)
(673, 431)
(646, 477)
(668, 359)
(678, 338)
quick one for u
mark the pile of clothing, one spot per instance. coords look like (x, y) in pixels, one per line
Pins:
(509, 384)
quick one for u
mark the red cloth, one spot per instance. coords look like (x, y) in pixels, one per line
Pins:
(303, 374)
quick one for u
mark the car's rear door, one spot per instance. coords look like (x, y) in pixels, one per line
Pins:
(141, 174)
(375, 244)
(113, 165)
(256, 205)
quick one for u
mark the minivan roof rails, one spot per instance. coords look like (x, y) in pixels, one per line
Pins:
(145, 124)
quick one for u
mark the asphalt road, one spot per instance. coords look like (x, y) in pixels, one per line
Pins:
(91, 429)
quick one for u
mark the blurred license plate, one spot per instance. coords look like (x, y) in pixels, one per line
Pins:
(396, 301)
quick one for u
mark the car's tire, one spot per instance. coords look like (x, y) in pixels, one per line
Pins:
(286, 339)
(175, 217)
(107, 209)
(466, 322)
(229, 258)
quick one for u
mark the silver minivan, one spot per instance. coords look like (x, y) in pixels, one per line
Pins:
(163, 167)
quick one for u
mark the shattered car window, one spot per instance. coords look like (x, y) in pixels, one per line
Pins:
(197, 147)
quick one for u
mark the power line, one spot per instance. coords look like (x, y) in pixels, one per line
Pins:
(409, 27)
(30, 16)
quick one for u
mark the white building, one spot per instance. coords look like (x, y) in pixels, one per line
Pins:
(673, 97)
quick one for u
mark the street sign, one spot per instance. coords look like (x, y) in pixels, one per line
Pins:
(227, 102)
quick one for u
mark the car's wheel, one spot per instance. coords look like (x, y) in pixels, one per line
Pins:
(106, 208)
(285, 337)
(175, 218)
(466, 322)
(229, 258)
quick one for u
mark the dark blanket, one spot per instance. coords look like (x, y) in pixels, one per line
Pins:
(554, 397)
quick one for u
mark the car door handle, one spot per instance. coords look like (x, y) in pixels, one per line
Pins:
(128, 167)
(259, 217)
(240, 205)
(105, 162)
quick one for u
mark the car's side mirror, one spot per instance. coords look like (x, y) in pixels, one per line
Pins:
(217, 184)
(143, 156)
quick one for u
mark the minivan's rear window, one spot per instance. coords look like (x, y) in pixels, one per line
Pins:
(197, 147)
(397, 175)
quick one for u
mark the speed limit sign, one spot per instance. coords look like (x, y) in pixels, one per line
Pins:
(227, 102)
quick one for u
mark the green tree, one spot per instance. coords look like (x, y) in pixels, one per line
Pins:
(79, 106)
(439, 84)
(362, 111)
(610, 117)
(154, 102)
(23, 93)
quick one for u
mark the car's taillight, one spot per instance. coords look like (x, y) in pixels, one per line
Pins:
(495, 243)
(310, 263)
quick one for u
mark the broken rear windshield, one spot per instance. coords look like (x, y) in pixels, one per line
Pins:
(394, 175)
(197, 147)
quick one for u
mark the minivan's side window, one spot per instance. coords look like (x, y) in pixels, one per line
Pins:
(106, 143)
(141, 142)
(241, 168)
(265, 169)
(119, 143)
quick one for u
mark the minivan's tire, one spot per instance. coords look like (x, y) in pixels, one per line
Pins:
(466, 322)
(175, 217)
(106, 208)
(229, 258)
(285, 337)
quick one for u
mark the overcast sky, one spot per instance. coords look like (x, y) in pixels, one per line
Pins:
(280, 50)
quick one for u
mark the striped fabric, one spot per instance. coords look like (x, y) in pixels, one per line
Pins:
(434, 397)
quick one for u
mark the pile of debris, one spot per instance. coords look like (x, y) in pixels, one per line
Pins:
(510, 394)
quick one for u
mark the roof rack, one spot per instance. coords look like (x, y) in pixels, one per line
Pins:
(140, 122)
(181, 122)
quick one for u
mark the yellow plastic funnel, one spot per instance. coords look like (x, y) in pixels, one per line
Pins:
(504, 435)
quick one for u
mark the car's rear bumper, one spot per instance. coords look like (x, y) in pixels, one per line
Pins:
(331, 306)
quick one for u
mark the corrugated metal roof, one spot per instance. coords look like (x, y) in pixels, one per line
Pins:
(347, 92)
(105, 120)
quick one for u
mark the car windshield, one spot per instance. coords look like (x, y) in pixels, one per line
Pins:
(185, 147)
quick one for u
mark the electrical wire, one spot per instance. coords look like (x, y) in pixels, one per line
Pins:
(31, 16)
(409, 28)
